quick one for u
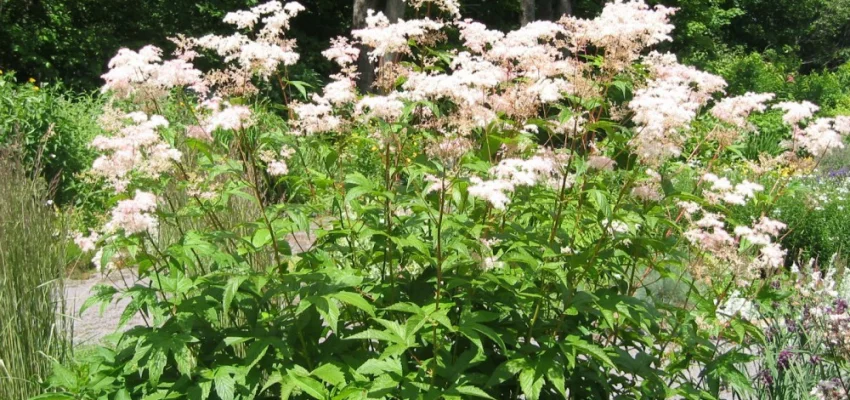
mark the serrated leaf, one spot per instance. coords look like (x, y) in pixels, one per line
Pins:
(472, 391)
(310, 386)
(531, 384)
(329, 373)
(156, 364)
(63, 377)
(225, 385)
(230, 290)
(355, 300)
(555, 376)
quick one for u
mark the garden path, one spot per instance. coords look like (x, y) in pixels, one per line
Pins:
(92, 327)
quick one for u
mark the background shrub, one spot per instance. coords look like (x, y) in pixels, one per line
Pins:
(54, 126)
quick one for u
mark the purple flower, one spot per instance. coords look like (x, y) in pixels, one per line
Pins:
(840, 307)
(784, 360)
(766, 377)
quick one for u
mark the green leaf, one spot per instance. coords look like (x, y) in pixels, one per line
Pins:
(156, 364)
(601, 202)
(261, 238)
(230, 290)
(312, 387)
(555, 376)
(491, 334)
(588, 348)
(225, 385)
(355, 300)
(184, 359)
(123, 394)
(472, 391)
(301, 87)
(531, 384)
(329, 373)
(103, 295)
(328, 310)
(63, 377)
(52, 396)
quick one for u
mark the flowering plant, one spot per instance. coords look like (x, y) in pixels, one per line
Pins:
(534, 188)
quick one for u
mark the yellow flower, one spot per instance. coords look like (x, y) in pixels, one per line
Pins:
(374, 148)
(1, 72)
(32, 80)
(36, 88)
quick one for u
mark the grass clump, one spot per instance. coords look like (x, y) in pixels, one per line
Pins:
(33, 332)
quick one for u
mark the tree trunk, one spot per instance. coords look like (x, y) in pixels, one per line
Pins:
(545, 10)
(367, 71)
(565, 7)
(527, 11)
(394, 10)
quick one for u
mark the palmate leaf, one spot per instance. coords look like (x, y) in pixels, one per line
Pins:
(103, 295)
(555, 376)
(377, 367)
(156, 363)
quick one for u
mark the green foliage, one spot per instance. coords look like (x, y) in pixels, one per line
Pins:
(369, 269)
(816, 208)
(34, 332)
(399, 297)
(72, 41)
(54, 127)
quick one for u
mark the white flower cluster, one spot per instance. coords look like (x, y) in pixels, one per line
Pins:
(134, 215)
(736, 110)
(822, 135)
(132, 72)
(135, 146)
(86, 243)
(511, 173)
(385, 37)
(276, 163)
(261, 56)
(830, 390)
(665, 108)
(722, 190)
(762, 234)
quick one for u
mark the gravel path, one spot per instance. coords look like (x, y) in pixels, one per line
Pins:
(91, 327)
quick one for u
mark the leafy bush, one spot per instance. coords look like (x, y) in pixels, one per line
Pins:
(817, 207)
(525, 198)
(55, 128)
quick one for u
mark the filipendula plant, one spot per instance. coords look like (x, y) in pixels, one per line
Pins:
(530, 190)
